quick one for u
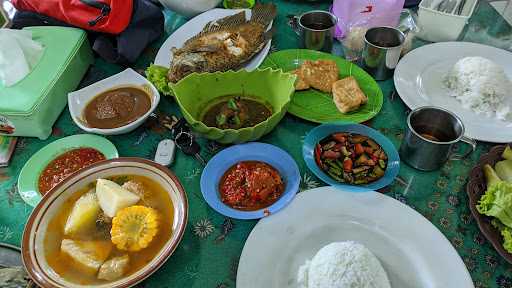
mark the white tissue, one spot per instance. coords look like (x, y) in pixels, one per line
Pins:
(19, 54)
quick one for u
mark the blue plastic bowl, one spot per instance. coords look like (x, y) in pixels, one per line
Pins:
(319, 133)
(254, 151)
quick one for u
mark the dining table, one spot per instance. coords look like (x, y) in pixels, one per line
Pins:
(209, 252)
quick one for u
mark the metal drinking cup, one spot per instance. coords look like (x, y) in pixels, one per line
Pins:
(315, 29)
(381, 53)
(430, 136)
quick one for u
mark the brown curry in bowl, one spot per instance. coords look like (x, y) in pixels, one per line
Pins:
(117, 107)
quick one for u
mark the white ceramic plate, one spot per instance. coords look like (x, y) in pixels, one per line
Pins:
(196, 25)
(419, 82)
(412, 251)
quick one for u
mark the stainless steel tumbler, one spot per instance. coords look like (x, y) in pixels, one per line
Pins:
(316, 30)
(430, 135)
(381, 53)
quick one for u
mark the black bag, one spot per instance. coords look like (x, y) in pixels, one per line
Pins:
(146, 25)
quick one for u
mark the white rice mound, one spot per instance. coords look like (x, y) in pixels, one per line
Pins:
(481, 85)
(343, 265)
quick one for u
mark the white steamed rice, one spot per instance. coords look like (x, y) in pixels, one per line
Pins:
(343, 265)
(481, 85)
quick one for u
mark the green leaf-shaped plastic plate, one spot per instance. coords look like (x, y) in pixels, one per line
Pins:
(317, 106)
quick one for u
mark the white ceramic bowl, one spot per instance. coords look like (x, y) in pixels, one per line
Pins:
(77, 100)
(32, 244)
(190, 8)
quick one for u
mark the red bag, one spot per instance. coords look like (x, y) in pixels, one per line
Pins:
(108, 16)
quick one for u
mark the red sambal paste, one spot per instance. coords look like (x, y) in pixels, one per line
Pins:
(65, 165)
(251, 185)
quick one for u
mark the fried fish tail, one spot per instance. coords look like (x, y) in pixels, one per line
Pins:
(263, 13)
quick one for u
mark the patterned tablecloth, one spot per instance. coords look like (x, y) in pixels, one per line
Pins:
(209, 253)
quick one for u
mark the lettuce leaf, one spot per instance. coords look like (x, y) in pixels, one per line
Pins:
(505, 232)
(497, 202)
(158, 76)
(507, 239)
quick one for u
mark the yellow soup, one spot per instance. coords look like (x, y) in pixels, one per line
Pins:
(154, 196)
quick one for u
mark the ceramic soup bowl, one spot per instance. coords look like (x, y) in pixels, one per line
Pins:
(36, 230)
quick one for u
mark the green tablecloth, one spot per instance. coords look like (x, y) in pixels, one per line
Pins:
(209, 253)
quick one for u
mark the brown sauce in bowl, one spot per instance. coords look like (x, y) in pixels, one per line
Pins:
(116, 108)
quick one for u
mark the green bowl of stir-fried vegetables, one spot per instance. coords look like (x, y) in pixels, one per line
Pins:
(196, 94)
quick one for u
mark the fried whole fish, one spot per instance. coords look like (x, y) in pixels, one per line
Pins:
(224, 44)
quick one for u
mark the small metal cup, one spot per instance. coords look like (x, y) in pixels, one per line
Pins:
(430, 135)
(381, 53)
(316, 30)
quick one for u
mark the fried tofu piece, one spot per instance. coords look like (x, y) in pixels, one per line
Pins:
(300, 83)
(347, 95)
(320, 74)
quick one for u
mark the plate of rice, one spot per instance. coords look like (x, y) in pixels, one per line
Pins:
(472, 80)
(329, 238)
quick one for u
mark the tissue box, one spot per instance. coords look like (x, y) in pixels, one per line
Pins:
(4, 20)
(30, 107)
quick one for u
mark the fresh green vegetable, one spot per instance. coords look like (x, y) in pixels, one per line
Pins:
(339, 164)
(378, 171)
(334, 165)
(504, 170)
(335, 170)
(334, 176)
(507, 154)
(490, 175)
(507, 239)
(345, 151)
(505, 232)
(236, 120)
(329, 145)
(497, 202)
(158, 76)
(232, 104)
(221, 119)
(382, 164)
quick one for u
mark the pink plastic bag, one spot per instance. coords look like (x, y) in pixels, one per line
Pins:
(366, 13)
